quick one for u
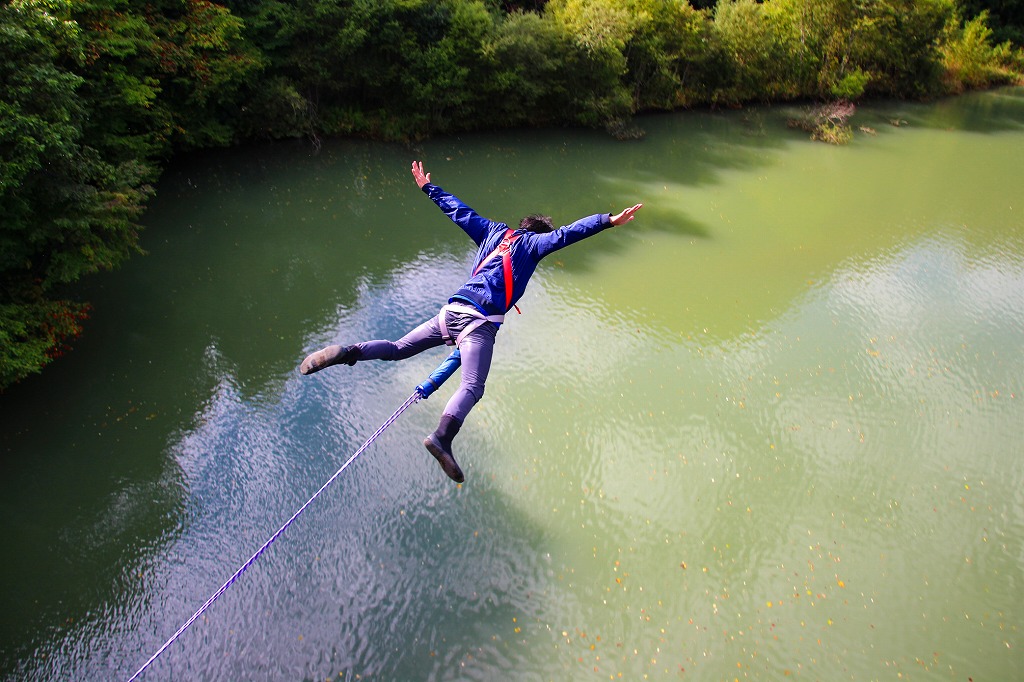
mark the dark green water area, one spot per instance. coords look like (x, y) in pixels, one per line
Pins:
(770, 430)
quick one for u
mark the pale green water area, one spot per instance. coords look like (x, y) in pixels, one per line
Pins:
(770, 430)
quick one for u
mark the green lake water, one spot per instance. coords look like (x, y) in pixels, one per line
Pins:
(770, 430)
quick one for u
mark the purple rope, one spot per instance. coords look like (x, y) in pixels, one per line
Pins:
(223, 588)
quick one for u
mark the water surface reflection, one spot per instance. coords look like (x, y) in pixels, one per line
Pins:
(772, 430)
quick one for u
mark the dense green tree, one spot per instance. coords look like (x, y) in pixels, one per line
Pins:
(66, 210)
(92, 95)
(121, 84)
(600, 29)
(95, 95)
(445, 77)
(896, 42)
(831, 48)
(382, 67)
(530, 85)
(1004, 17)
(162, 76)
(400, 68)
(819, 35)
(204, 63)
(763, 46)
(513, 6)
(971, 60)
(673, 57)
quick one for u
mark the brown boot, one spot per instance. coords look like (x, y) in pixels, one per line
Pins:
(332, 355)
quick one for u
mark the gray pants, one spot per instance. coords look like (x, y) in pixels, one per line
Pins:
(476, 350)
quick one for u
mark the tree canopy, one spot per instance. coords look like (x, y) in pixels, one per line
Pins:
(96, 95)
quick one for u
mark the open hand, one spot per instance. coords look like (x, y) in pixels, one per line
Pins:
(626, 215)
(418, 175)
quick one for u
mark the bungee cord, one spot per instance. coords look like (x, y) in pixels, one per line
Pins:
(432, 383)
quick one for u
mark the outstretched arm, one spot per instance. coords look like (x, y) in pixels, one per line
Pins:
(476, 226)
(626, 215)
(581, 229)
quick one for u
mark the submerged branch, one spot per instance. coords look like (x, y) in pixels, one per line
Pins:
(828, 122)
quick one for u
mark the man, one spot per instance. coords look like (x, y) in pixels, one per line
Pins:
(505, 261)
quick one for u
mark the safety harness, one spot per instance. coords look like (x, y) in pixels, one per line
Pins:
(504, 249)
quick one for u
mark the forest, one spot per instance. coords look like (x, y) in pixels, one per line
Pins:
(96, 96)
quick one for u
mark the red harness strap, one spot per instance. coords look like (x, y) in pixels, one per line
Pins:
(505, 249)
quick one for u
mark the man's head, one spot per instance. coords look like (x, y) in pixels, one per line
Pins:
(537, 223)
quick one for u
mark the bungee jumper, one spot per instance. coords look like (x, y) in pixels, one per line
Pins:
(506, 259)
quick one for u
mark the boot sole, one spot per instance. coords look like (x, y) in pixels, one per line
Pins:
(322, 359)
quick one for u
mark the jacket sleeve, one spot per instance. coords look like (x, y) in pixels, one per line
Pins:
(472, 223)
(570, 234)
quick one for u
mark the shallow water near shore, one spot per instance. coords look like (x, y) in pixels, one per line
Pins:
(770, 430)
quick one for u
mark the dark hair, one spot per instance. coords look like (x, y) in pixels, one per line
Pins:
(537, 223)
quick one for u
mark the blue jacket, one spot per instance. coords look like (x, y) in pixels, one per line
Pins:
(486, 289)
